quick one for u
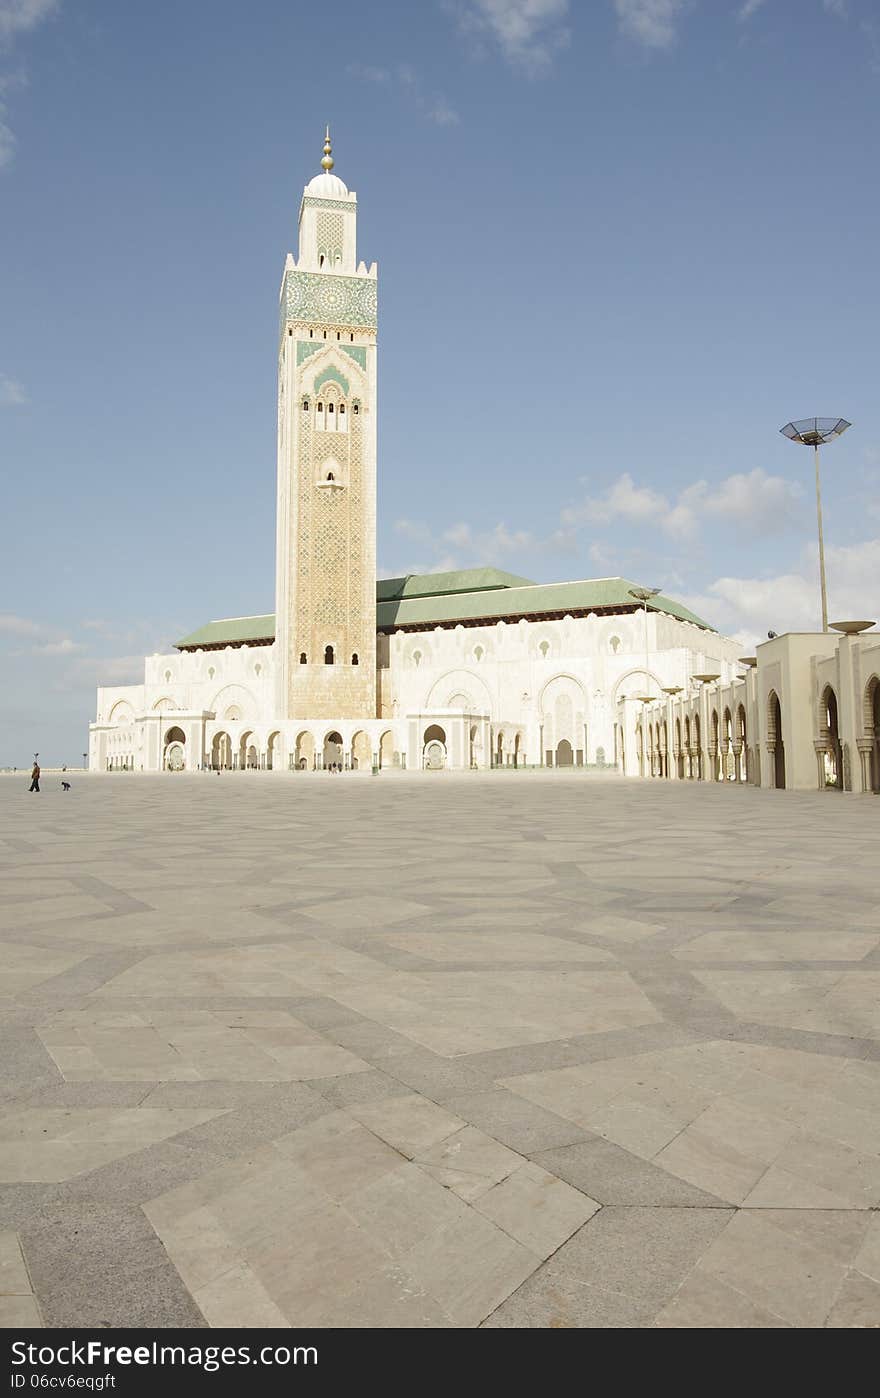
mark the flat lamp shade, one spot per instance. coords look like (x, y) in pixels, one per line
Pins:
(815, 431)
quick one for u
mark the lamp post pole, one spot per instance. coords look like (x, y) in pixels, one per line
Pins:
(821, 542)
(644, 595)
(815, 432)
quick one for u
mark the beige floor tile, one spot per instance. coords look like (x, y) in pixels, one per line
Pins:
(470, 1268)
(469, 1162)
(704, 1302)
(14, 1280)
(775, 1271)
(410, 1124)
(237, 1299)
(537, 1209)
(20, 1313)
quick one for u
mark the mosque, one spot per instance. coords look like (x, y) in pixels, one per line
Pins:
(478, 668)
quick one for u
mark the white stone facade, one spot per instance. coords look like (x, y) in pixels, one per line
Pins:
(323, 682)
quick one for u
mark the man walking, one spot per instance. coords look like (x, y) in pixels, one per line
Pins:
(35, 777)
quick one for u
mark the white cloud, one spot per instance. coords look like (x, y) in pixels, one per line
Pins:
(749, 8)
(7, 143)
(763, 502)
(649, 22)
(12, 394)
(88, 671)
(52, 648)
(529, 33)
(750, 607)
(434, 108)
(461, 546)
(18, 16)
(19, 625)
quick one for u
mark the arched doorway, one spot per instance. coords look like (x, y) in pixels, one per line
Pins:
(333, 750)
(386, 749)
(698, 747)
(434, 748)
(688, 748)
(742, 740)
(774, 739)
(564, 754)
(244, 742)
(872, 731)
(221, 751)
(833, 757)
(679, 751)
(516, 749)
(175, 750)
(499, 750)
(275, 752)
(361, 752)
(304, 753)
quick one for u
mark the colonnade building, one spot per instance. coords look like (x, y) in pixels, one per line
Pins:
(805, 715)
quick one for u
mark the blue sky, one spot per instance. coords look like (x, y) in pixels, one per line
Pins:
(620, 243)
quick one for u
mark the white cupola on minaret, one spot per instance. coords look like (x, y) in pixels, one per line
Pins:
(327, 221)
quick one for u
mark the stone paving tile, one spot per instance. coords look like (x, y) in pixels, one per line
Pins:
(488, 1065)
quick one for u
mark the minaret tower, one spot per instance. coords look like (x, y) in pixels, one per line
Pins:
(325, 590)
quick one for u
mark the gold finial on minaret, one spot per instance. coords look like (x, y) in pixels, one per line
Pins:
(327, 163)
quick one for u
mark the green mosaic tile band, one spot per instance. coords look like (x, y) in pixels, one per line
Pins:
(358, 353)
(306, 347)
(329, 299)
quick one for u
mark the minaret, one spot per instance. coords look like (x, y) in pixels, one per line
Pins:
(325, 592)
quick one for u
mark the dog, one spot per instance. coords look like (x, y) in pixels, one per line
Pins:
(65, 786)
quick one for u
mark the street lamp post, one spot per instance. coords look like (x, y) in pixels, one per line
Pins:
(815, 432)
(644, 595)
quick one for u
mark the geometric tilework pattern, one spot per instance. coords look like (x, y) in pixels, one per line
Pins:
(501, 1049)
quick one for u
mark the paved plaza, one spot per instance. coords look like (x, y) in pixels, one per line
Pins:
(507, 1049)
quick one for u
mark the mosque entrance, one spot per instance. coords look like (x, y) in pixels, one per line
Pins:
(333, 750)
(175, 750)
(564, 754)
(435, 748)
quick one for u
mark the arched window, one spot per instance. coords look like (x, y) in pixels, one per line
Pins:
(614, 644)
(305, 405)
(356, 408)
(211, 672)
(354, 659)
(478, 653)
(302, 658)
(330, 476)
(417, 658)
(544, 648)
(328, 655)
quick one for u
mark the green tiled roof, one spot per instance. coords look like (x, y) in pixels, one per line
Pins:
(442, 584)
(436, 599)
(532, 600)
(234, 631)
